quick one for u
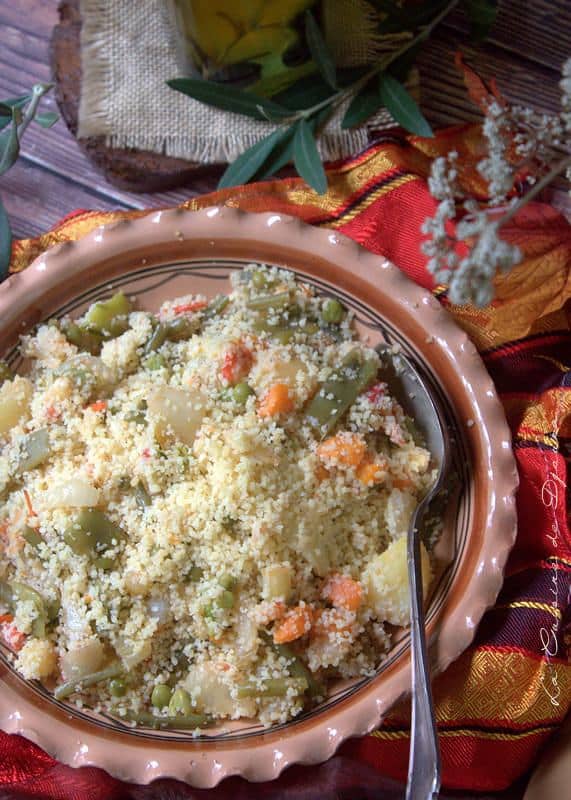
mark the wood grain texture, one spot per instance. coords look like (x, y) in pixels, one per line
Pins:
(525, 51)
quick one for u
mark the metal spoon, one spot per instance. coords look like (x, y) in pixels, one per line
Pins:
(407, 386)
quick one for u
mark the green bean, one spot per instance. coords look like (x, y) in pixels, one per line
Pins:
(109, 318)
(114, 670)
(195, 573)
(5, 372)
(35, 449)
(82, 338)
(268, 301)
(332, 311)
(156, 339)
(92, 531)
(180, 703)
(260, 279)
(31, 536)
(142, 496)
(117, 687)
(297, 669)
(6, 594)
(240, 392)
(53, 608)
(216, 306)
(182, 328)
(227, 581)
(104, 562)
(181, 722)
(273, 687)
(161, 695)
(336, 394)
(25, 593)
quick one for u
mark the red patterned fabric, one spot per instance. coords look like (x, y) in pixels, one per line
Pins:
(499, 703)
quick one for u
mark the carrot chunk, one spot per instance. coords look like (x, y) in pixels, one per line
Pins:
(343, 592)
(344, 448)
(236, 364)
(277, 400)
(295, 624)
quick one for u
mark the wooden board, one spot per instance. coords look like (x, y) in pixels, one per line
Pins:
(135, 170)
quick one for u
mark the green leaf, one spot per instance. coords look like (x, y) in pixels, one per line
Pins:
(401, 105)
(5, 242)
(365, 103)
(482, 15)
(9, 145)
(306, 158)
(319, 51)
(228, 98)
(247, 164)
(17, 102)
(304, 94)
(283, 152)
(46, 119)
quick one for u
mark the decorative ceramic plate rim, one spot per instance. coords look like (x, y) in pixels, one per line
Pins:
(203, 765)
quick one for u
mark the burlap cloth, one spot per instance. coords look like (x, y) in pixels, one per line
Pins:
(128, 50)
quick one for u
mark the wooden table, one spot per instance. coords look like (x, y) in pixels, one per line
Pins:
(528, 46)
(529, 43)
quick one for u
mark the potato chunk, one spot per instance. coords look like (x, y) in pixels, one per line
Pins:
(14, 402)
(386, 582)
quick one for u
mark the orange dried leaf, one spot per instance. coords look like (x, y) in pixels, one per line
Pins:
(480, 93)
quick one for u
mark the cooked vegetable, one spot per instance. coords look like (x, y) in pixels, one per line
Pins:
(227, 581)
(83, 659)
(88, 374)
(225, 599)
(91, 532)
(273, 687)
(109, 318)
(180, 722)
(64, 690)
(277, 582)
(332, 312)
(277, 400)
(23, 592)
(178, 410)
(155, 361)
(266, 302)
(295, 624)
(370, 473)
(180, 703)
(117, 687)
(216, 306)
(161, 695)
(14, 402)
(240, 392)
(346, 449)
(31, 536)
(81, 337)
(156, 339)
(181, 329)
(343, 592)
(335, 396)
(34, 450)
(75, 493)
(142, 497)
(236, 363)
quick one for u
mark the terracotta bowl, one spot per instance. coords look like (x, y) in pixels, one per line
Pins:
(171, 253)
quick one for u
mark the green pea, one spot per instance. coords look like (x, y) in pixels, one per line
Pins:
(180, 703)
(161, 695)
(240, 392)
(117, 687)
(155, 361)
(332, 311)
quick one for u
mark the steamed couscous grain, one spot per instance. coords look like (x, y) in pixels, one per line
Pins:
(203, 510)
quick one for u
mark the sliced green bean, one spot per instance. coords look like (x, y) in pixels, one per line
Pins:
(109, 318)
(182, 328)
(6, 594)
(180, 722)
(195, 573)
(157, 338)
(273, 687)
(34, 450)
(297, 669)
(216, 306)
(82, 338)
(266, 302)
(227, 581)
(64, 690)
(91, 532)
(336, 394)
(155, 361)
(225, 599)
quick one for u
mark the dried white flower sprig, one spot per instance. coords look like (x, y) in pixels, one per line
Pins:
(517, 139)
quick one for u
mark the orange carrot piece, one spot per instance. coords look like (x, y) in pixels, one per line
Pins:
(13, 637)
(277, 400)
(344, 448)
(401, 483)
(6, 618)
(369, 473)
(343, 592)
(295, 624)
(99, 405)
(321, 473)
(194, 305)
(329, 621)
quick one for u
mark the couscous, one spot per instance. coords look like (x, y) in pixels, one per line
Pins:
(204, 510)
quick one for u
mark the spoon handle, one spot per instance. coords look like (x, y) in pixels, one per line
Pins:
(423, 781)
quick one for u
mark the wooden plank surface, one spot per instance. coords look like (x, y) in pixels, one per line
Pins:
(528, 45)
